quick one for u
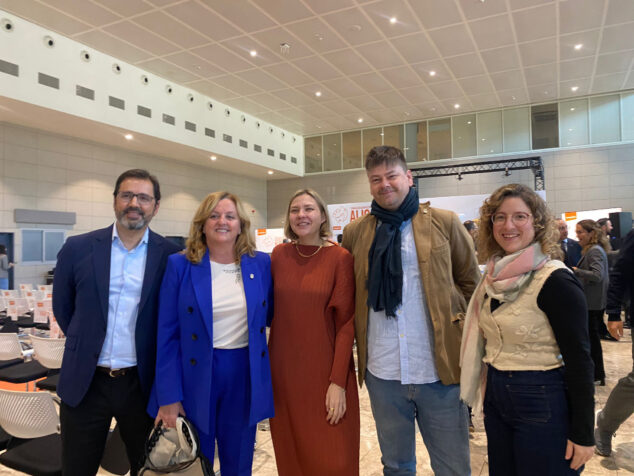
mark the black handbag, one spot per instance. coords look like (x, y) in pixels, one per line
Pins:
(174, 451)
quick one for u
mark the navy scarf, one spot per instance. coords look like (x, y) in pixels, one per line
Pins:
(385, 274)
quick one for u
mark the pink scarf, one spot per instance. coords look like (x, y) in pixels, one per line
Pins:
(504, 279)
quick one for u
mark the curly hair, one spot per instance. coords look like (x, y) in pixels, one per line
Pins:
(324, 229)
(546, 232)
(196, 244)
(597, 237)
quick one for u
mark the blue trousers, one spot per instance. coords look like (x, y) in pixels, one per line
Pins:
(442, 420)
(4, 283)
(526, 422)
(230, 413)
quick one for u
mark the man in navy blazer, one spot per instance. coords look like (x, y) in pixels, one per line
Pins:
(570, 247)
(105, 299)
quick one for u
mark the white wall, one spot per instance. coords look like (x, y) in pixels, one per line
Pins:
(576, 179)
(43, 171)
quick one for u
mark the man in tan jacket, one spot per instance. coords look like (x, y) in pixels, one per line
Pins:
(415, 270)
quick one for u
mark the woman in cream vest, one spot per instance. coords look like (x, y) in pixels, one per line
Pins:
(525, 353)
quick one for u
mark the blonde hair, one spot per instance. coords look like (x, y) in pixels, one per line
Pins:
(324, 229)
(546, 232)
(596, 238)
(196, 245)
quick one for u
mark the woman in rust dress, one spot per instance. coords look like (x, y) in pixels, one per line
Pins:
(316, 426)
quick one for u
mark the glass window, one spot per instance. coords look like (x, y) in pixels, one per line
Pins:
(573, 122)
(628, 116)
(516, 129)
(393, 136)
(53, 241)
(416, 141)
(439, 139)
(32, 241)
(352, 157)
(605, 119)
(371, 138)
(490, 133)
(545, 126)
(464, 135)
(332, 152)
(312, 154)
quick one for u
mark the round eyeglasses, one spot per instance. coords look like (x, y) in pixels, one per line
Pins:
(518, 219)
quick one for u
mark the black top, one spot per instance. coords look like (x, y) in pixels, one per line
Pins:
(621, 278)
(562, 300)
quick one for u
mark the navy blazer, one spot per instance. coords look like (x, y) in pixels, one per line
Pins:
(185, 337)
(573, 253)
(80, 304)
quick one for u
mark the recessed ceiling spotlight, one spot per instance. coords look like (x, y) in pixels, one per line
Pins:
(578, 46)
(456, 106)
(432, 73)
(545, 93)
(318, 94)
(270, 172)
(572, 108)
(213, 157)
(360, 120)
(393, 20)
(513, 98)
(407, 113)
(129, 136)
(253, 53)
(468, 122)
(432, 108)
(574, 89)
(318, 36)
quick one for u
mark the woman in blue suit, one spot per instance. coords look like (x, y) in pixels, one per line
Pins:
(213, 363)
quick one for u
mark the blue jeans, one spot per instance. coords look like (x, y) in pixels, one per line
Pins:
(442, 420)
(4, 283)
(526, 422)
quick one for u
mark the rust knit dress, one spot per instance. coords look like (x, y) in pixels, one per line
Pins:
(311, 346)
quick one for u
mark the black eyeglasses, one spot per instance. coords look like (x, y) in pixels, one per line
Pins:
(142, 198)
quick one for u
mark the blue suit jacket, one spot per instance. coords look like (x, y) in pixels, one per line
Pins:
(80, 303)
(573, 255)
(185, 337)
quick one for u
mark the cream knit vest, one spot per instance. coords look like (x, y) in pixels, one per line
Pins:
(518, 335)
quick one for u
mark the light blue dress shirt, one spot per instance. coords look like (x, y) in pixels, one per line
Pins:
(402, 348)
(127, 269)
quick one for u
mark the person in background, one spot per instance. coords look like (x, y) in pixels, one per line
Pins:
(570, 248)
(606, 227)
(620, 404)
(592, 271)
(472, 228)
(105, 300)
(526, 319)
(5, 266)
(213, 363)
(415, 270)
(315, 431)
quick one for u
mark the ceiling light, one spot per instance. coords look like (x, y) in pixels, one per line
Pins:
(574, 88)
(578, 46)
(318, 94)
(432, 73)
(572, 108)
(468, 122)
(456, 106)
(270, 172)
(393, 20)
(513, 98)
(570, 129)
(213, 157)
(129, 136)
(360, 120)
(253, 53)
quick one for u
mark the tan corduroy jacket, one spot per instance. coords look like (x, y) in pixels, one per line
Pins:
(449, 271)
